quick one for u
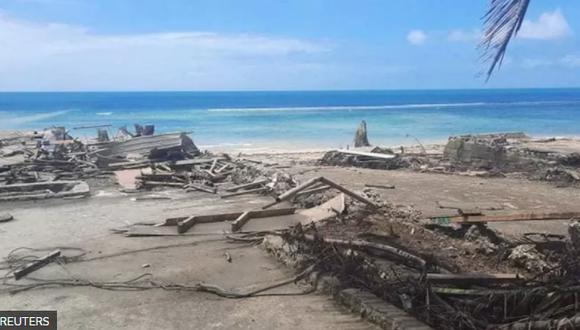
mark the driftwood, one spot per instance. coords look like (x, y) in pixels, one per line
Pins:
(36, 264)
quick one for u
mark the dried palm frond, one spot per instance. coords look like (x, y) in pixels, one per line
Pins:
(502, 22)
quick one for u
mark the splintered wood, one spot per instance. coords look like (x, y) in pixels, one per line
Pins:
(317, 181)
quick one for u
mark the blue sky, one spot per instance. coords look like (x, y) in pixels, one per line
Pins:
(276, 45)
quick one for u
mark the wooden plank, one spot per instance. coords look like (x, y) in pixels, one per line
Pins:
(163, 184)
(466, 278)
(245, 192)
(196, 161)
(312, 191)
(195, 187)
(380, 186)
(510, 217)
(367, 154)
(241, 221)
(36, 264)
(248, 185)
(213, 165)
(292, 192)
(470, 205)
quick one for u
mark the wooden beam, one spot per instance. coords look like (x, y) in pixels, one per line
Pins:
(213, 165)
(241, 221)
(472, 278)
(245, 192)
(367, 154)
(292, 192)
(348, 192)
(521, 216)
(185, 223)
(195, 187)
(380, 186)
(248, 185)
(36, 264)
(162, 184)
(312, 191)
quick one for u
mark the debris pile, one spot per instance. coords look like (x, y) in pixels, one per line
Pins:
(51, 163)
(447, 282)
(377, 158)
(485, 155)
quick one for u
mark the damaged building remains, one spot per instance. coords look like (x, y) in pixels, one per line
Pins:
(429, 236)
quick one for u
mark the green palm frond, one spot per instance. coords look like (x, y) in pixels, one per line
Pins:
(502, 22)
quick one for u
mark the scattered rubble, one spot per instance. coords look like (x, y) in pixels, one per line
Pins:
(465, 278)
(485, 155)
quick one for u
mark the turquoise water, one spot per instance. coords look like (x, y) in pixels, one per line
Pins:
(299, 120)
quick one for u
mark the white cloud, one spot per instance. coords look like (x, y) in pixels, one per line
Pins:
(550, 25)
(58, 56)
(460, 35)
(416, 37)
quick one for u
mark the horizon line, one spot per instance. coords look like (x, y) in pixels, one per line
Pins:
(284, 90)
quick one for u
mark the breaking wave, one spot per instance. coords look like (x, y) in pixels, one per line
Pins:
(393, 106)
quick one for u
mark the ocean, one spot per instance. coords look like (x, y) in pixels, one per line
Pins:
(267, 121)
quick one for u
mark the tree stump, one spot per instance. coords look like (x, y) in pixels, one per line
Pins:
(360, 138)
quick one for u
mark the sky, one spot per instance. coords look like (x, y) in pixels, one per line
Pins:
(127, 45)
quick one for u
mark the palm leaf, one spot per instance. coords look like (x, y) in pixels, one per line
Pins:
(502, 22)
